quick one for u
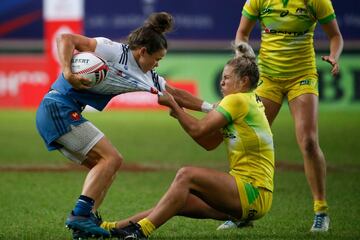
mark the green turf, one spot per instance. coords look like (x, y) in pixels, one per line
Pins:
(35, 205)
(151, 137)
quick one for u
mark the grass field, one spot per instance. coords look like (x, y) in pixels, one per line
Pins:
(34, 205)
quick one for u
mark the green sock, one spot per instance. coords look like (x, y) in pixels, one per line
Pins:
(320, 206)
(147, 227)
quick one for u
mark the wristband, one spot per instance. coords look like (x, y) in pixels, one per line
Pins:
(206, 107)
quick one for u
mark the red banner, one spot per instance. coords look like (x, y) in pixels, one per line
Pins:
(23, 81)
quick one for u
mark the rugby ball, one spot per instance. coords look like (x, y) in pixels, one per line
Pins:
(90, 66)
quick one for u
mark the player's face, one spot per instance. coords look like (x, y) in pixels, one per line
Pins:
(229, 83)
(148, 61)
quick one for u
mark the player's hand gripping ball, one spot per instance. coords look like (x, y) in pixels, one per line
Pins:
(89, 66)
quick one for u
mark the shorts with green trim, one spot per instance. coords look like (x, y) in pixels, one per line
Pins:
(255, 201)
(275, 89)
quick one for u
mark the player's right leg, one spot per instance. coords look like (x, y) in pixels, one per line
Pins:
(87, 145)
(304, 110)
(61, 125)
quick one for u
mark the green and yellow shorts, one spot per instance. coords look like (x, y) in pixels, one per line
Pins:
(255, 201)
(275, 89)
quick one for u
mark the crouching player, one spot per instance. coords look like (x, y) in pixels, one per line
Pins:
(245, 192)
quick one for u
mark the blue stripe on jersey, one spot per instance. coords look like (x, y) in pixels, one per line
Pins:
(124, 56)
(155, 78)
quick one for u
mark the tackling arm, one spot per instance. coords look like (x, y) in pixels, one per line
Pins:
(189, 101)
(206, 131)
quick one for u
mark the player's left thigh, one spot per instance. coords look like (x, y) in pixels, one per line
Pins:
(79, 141)
(217, 189)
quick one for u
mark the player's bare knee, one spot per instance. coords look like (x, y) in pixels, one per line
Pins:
(116, 161)
(184, 175)
(310, 146)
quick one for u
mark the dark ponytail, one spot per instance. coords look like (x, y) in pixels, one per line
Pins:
(152, 34)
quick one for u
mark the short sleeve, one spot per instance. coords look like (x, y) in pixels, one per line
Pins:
(107, 49)
(324, 11)
(251, 9)
(233, 107)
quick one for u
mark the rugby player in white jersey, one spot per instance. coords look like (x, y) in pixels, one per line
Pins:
(62, 126)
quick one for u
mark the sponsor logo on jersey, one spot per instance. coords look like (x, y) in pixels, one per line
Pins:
(284, 13)
(258, 99)
(300, 11)
(266, 11)
(305, 82)
(75, 116)
(227, 133)
(295, 34)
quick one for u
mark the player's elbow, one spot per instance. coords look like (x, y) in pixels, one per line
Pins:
(196, 131)
(63, 38)
(208, 147)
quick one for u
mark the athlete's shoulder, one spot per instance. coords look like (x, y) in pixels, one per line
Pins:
(322, 9)
(253, 8)
(234, 101)
(108, 49)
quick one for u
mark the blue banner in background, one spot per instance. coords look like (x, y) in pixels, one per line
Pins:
(199, 20)
(21, 19)
(194, 19)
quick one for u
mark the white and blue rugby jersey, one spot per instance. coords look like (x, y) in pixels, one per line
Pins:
(124, 76)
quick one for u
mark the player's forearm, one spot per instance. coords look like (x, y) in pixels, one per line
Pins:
(241, 37)
(65, 51)
(189, 123)
(210, 141)
(189, 101)
(336, 46)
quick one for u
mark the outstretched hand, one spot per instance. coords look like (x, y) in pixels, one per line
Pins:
(166, 99)
(335, 66)
(243, 49)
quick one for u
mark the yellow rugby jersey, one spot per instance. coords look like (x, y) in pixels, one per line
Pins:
(287, 30)
(248, 139)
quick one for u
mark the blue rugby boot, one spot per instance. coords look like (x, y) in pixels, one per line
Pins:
(85, 227)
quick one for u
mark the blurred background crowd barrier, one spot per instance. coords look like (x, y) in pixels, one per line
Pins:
(199, 45)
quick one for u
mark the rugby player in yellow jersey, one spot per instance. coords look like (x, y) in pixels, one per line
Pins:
(245, 192)
(288, 69)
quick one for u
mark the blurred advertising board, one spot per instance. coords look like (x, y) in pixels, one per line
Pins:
(195, 20)
(205, 69)
(24, 80)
